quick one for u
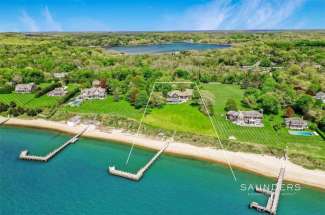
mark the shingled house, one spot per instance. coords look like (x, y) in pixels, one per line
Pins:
(177, 96)
(25, 88)
(93, 93)
(296, 123)
(246, 118)
(59, 91)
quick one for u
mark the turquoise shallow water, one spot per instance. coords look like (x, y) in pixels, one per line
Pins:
(77, 182)
(166, 47)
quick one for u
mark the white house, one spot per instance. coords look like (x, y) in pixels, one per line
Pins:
(59, 91)
(246, 118)
(93, 93)
(25, 88)
(296, 123)
(60, 75)
(177, 97)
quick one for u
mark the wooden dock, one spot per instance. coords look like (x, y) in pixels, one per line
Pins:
(137, 176)
(274, 196)
(24, 154)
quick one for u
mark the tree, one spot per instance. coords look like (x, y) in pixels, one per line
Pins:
(195, 97)
(294, 69)
(207, 106)
(3, 107)
(180, 73)
(321, 124)
(231, 105)
(289, 112)
(157, 100)
(269, 84)
(269, 103)
(265, 62)
(303, 104)
(12, 104)
(132, 95)
(141, 99)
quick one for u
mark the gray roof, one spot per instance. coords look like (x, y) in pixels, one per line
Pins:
(251, 113)
(186, 93)
(295, 120)
(320, 95)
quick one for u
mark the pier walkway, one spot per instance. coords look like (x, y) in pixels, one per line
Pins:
(274, 196)
(136, 177)
(24, 154)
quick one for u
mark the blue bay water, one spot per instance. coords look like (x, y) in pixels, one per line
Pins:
(166, 47)
(77, 182)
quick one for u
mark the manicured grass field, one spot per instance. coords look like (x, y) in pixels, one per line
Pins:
(27, 100)
(107, 106)
(266, 135)
(180, 117)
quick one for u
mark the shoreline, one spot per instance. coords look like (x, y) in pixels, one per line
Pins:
(263, 165)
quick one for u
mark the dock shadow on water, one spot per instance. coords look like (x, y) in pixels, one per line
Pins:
(77, 182)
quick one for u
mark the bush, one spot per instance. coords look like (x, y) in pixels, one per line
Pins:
(6, 89)
(3, 107)
(231, 105)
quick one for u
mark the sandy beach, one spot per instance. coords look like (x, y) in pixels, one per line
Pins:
(260, 164)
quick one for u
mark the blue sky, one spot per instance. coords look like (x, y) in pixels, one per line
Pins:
(153, 15)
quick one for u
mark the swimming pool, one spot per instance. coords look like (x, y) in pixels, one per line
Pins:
(303, 133)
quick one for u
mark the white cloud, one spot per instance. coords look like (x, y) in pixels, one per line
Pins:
(28, 22)
(50, 23)
(230, 14)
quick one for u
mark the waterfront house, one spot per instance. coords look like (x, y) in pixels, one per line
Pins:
(177, 96)
(74, 121)
(93, 93)
(25, 88)
(59, 91)
(246, 118)
(60, 75)
(296, 123)
(320, 96)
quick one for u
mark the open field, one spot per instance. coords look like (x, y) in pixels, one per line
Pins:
(107, 106)
(28, 100)
(181, 117)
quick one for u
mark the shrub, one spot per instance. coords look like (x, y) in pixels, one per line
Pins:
(231, 105)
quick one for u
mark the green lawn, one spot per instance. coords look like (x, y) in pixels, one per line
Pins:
(107, 106)
(266, 135)
(180, 117)
(28, 100)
